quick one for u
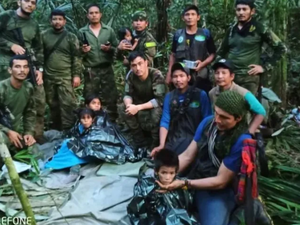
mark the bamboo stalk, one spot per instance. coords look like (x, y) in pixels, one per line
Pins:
(16, 183)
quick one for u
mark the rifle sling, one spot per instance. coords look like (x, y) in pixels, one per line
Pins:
(56, 45)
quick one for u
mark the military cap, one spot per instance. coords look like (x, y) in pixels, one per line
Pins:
(142, 15)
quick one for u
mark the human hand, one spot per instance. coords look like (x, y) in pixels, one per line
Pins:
(173, 186)
(29, 139)
(105, 48)
(76, 81)
(39, 77)
(131, 109)
(255, 70)
(123, 45)
(86, 48)
(15, 138)
(156, 150)
(199, 66)
(17, 49)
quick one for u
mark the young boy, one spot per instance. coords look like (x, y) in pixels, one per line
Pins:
(224, 77)
(150, 205)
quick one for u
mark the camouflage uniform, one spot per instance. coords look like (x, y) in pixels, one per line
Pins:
(147, 42)
(22, 106)
(244, 47)
(150, 90)
(60, 68)
(9, 21)
(98, 74)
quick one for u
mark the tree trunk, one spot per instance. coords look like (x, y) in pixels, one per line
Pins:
(16, 183)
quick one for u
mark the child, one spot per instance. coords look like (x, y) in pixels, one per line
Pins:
(65, 157)
(125, 34)
(109, 142)
(148, 206)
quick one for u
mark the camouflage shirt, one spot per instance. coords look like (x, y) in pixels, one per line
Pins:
(152, 89)
(9, 21)
(65, 61)
(21, 104)
(146, 44)
(244, 47)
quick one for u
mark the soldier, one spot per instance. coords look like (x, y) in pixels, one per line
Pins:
(144, 93)
(12, 23)
(16, 94)
(99, 43)
(62, 71)
(184, 108)
(242, 45)
(146, 42)
(193, 44)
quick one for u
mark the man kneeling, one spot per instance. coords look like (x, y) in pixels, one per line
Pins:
(16, 95)
(143, 100)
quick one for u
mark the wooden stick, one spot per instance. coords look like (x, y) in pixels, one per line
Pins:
(16, 183)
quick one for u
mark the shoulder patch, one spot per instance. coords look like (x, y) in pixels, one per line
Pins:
(150, 44)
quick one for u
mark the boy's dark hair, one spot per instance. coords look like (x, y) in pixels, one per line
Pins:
(86, 111)
(57, 12)
(92, 5)
(17, 57)
(166, 157)
(133, 55)
(89, 98)
(122, 32)
(250, 3)
(191, 7)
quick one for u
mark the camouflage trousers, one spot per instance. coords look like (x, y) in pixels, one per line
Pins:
(40, 104)
(142, 124)
(4, 74)
(251, 83)
(101, 81)
(61, 99)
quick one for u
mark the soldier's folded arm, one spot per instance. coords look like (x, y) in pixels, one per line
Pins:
(279, 48)
(29, 117)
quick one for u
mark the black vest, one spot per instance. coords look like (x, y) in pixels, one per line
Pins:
(197, 50)
(185, 116)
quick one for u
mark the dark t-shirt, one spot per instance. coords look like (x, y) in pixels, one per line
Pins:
(210, 44)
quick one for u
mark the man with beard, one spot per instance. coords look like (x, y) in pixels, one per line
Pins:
(146, 42)
(99, 43)
(193, 44)
(16, 94)
(143, 100)
(184, 108)
(62, 71)
(242, 45)
(10, 44)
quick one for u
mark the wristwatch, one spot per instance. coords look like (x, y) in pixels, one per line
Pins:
(41, 69)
